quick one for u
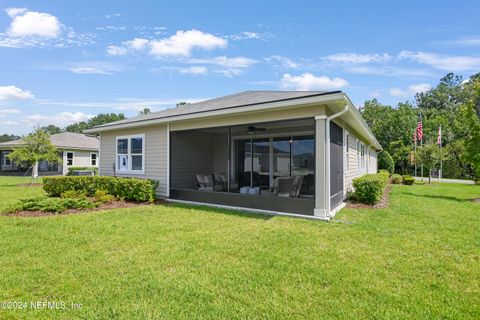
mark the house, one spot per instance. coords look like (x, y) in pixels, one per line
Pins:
(75, 150)
(288, 152)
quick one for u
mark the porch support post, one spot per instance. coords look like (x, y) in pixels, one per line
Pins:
(321, 196)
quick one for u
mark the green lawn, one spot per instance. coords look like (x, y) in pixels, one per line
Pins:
(419, 259)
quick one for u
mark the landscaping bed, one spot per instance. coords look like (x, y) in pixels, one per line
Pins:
(104, 206)
(383, 203)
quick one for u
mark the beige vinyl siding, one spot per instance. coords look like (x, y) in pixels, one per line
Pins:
(156, 154)
(80, 158)
(352, 168)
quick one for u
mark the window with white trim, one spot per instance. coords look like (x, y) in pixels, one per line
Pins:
(69, 158)
(131, 154)
(93, 159)
(363, 156)
(5, 159)
(347, 151)
(359, 162)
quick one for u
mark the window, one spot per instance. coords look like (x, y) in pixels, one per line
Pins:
(131, 154)
(347, 152)
(5, 159)
(93, 159)
(69, 158)
(359, 161)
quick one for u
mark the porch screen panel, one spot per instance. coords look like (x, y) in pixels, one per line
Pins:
(303, 159)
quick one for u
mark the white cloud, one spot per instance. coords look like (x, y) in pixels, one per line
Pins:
(137, 43)
(38, 29)
(246, 35)
(94, 67)
(12, 12)
(227, 66)
(308, 81)
(8, 123)
(116, 50)
(14, 93)
(59, 119)
(411, 90)
(356, 58)
(194, 70)
(443, 62)
(183, 42)
(388, 71)
(32, 23)
(283, 62)
(5, 111)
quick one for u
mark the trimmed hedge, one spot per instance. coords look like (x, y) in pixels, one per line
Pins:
(408, 180)
(369, 188)
(385, 161)
(92, 169)
(396, 179)
(124, 188)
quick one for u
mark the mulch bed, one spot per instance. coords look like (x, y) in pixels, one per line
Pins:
(384, 202)
(476, 200)
(30, 185)
(104, 206)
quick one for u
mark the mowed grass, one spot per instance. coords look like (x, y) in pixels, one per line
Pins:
(418, 259)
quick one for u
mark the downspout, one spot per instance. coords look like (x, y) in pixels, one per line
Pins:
(327, 155)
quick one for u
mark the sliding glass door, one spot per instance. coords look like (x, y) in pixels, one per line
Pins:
(253, 162)
(260, 161)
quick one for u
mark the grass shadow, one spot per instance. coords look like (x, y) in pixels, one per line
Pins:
(450, 198)
(231, 212)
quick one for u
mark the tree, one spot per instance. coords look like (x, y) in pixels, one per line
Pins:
(51, 129)
(99, 119)
(8, 137)
(429, 156)
(385, 162)
(181, 103)
(35, 147)
(144, 111)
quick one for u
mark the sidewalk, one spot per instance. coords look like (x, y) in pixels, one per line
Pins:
(447, 180)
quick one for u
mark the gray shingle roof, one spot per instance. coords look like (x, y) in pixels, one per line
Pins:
(240, 99)
(65, 140)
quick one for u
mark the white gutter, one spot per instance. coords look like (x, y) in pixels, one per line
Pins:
(327, 155)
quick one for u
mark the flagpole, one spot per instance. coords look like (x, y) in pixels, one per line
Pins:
(415, 152)
(440, 149)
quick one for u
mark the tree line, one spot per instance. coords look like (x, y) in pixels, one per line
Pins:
(454, 104)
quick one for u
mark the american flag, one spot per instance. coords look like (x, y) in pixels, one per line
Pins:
(420, 128)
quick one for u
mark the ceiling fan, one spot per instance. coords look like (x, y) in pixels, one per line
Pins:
(252, 129)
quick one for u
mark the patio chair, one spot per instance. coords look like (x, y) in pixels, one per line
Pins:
(220, 183)
(296, 186)
(205, 182)
(282, 186)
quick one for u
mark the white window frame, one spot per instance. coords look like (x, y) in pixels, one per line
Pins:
(359, 162)
(129, 154)
(66, 158)
(5, 157)
(347, 151)
(96, 159)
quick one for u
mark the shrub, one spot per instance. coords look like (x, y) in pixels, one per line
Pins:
(369, 188)
(46, 204)
(408, 180)
(125, 188)
(102, 196)
(396, 179)
(73, 194)
(385, 161)
(93, 169)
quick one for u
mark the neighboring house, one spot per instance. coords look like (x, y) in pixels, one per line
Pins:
(277, 151)
(75, 150)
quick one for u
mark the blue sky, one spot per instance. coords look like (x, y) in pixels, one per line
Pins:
(64, 61)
